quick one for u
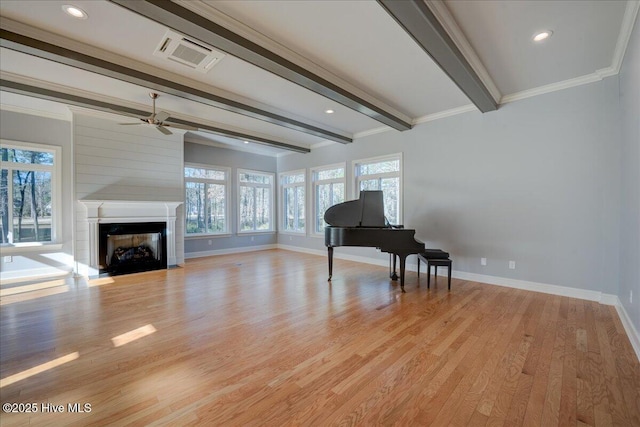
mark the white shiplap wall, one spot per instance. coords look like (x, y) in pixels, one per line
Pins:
(114, 162)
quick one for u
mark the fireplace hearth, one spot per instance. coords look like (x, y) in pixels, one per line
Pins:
(132, 247)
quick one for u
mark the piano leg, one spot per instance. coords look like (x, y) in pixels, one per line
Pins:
(403, 260)
(394, 275)
(330, 253)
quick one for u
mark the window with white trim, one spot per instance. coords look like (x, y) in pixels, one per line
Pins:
(206, 199)
(292, 190)
(29, 192)
(255, 199)
(382, 173)
(329, 184)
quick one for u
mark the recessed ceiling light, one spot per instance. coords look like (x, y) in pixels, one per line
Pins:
(246, 142)
(542, 35)
(75, 11)
(328, 111)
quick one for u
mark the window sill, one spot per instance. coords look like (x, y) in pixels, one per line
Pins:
(28, 248)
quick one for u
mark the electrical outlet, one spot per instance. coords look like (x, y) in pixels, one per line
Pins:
(512, 265)
(290, 238)
(210, 242)
(8, 258)
(252, 238)
(483, 261)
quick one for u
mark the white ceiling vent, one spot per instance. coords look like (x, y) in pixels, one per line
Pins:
(192, 53)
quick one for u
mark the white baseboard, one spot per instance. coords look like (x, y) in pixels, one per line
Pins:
(189, 255)
(631, 330)
(545, 288)
(482, 278)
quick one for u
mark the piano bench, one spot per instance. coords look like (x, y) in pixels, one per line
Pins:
(435, 262)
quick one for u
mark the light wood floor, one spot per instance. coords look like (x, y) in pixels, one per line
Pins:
(263, 339)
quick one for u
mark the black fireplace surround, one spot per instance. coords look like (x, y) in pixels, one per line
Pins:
(132, 247)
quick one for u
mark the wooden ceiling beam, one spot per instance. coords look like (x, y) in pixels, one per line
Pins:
(189, 23)
(39, 47)
(94, 104)
(415, 17)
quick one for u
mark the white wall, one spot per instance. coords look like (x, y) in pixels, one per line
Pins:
(41, 130)
(536, 182)
(630, 184)
(114, 162)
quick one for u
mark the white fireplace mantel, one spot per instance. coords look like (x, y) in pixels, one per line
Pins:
(126, 211)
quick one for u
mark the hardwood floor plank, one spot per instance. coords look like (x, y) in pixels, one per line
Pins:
(262, 339)
(568, 405)
(551, 411)
(535, 405)
(605, 329)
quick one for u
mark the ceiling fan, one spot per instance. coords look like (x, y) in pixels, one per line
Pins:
(158, 119)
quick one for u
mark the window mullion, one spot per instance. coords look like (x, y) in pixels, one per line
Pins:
(10, 206)
(206, 208)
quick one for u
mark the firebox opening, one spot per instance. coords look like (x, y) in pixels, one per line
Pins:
(132, 247)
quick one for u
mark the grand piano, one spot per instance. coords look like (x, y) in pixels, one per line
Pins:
(361, 222)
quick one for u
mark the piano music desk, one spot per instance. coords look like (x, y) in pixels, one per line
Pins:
(435, 262)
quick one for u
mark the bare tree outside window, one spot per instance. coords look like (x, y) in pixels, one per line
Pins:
(328, 189)
(293, 201)
(382, 174)
(255, 201)
(26, 195)
(206, 200)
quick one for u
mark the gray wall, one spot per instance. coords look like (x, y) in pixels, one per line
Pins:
(630, 186)
(36, 129)
(536, 182)
(216, 156)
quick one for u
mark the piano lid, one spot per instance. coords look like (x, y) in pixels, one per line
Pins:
(367, 211)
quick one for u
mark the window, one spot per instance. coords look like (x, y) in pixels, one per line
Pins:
(293, 201)
(255, 192)
(29, 192)
(206, 199)
(382, 173)
(328, 189)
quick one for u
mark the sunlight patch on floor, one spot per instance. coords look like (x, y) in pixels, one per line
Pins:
(38, 369)
(133, 335)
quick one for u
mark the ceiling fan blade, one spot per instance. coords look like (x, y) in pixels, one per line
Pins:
(164, 130)
(177, 126)
(161, 116)
(129, 124)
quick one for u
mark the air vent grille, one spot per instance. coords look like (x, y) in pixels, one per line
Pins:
(193, 54)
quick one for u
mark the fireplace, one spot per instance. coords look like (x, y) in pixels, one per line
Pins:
(132, 247)
(139, 230)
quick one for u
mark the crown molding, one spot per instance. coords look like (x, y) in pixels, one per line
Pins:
(626, 28)
(446, 113)
(249, 149)
(34, 112)
(553, 87)
(370, 132)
